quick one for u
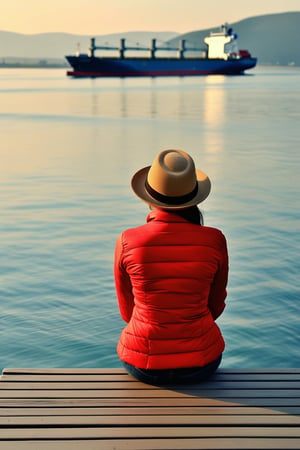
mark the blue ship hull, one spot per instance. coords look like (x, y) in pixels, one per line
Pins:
(86, 66)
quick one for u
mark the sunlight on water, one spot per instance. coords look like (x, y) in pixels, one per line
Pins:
(68, 151)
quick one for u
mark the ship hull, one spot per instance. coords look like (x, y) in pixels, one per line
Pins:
(85, 66)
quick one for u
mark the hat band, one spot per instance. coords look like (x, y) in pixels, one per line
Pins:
(178, 200)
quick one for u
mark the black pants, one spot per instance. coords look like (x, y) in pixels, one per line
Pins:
(173, 376)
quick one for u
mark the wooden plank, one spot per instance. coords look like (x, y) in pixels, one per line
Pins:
(285, 403)
(158, 444)
(151, 420)
(280, 370)
(149, 432)
(67, 371)
(121, 370)
(53, 370)
(95, 385)
(240, 394)
(124, 385)
(241, 376)
(142, 411)
(107, 377)
(66, 378)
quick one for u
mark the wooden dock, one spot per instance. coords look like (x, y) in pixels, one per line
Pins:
(105, 409)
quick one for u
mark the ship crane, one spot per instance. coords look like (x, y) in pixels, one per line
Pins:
(122, 48)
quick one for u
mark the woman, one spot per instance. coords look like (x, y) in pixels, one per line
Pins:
(171, 276)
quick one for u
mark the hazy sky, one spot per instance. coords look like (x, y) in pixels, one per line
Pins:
(113, 16)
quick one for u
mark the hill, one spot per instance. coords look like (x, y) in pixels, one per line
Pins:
(272, 38)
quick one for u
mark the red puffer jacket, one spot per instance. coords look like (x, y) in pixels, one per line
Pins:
(171, 278)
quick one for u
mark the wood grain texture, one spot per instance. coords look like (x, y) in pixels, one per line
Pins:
(106, 408)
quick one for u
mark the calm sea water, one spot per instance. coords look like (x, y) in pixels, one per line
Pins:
(68, 149)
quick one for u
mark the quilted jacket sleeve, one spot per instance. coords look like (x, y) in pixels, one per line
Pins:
(123, 284)
(218, 293)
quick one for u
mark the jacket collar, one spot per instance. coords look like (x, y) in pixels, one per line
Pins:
(160, 215)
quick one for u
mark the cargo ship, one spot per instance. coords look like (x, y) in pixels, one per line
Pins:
(220, 56)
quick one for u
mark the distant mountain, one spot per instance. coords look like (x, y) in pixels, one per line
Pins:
(272, 38)
(57, 45)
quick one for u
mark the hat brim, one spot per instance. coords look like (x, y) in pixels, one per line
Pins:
(138, 186)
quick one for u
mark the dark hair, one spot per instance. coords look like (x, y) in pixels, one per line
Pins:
(191, 214)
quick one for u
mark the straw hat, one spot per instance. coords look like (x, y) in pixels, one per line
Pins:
(172, 182)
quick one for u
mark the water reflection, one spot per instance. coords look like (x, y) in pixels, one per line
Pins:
(214, 100)
(214, 113)
(200, 98)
